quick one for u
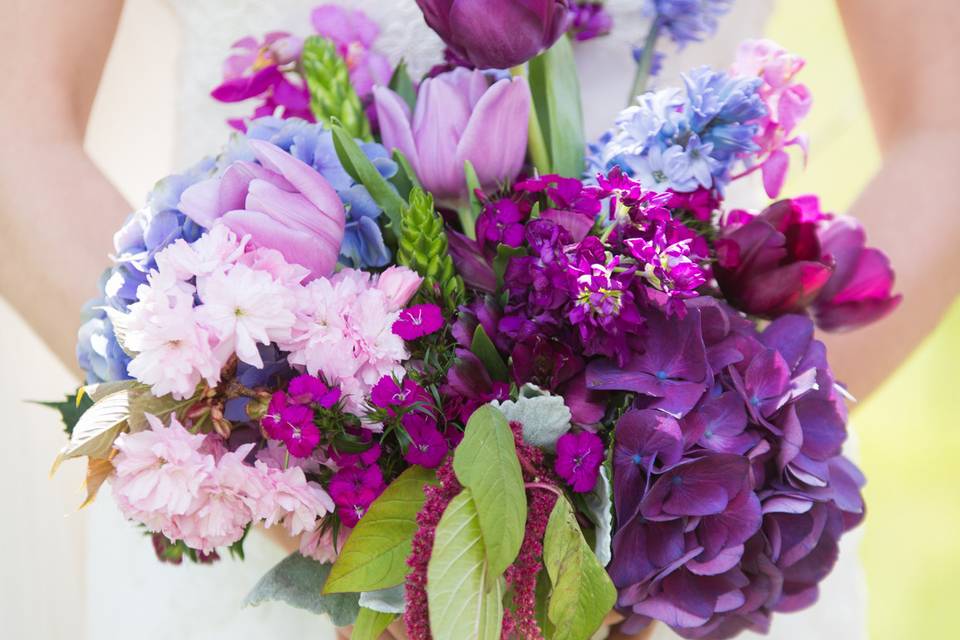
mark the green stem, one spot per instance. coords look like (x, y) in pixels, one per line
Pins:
(535, 140)
(645, 63)
(467, 221)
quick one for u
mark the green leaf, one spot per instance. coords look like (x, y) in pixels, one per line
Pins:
(298, 581)
(99, 426)
(464, 596)
(101, 390)
(70, 409)
(356, 163)
(332, 96)
(473, 183)
(119, 322)
(405, 179)
(483, 347)
(402, 84)
(582, 591)
(143, 402)
(556, 99)
(486, 463)
(502, 259)
(374, 556)
(370, 624)
(543, 602)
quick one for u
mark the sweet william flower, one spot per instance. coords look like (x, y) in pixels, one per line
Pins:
(418, 321)
(579, 456)
(428, 446)
(388, 394)
(496, 34)
(456, 116)
(279, 201)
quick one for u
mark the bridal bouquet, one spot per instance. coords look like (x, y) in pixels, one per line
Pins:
(496, 381)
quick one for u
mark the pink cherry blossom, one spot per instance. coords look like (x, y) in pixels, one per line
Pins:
(318, 544)
(399, 284)
(291, 499)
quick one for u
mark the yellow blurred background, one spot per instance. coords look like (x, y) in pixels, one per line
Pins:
(908, 440)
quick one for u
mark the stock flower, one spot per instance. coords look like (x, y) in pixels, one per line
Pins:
(427, 446)
(281, 202)
(579, 456)
(496, 34)
(859, 290)
(456, 116)
(418, 321)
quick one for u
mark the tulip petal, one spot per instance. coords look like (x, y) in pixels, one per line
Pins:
(296, 246)
(303, 178)
(236, 180)
(502, 114)
(201, 202)
(439, 120)
(291, 209)
(393, 115)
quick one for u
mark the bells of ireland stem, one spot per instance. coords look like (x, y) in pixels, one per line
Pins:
(459, 116)
(497, 34)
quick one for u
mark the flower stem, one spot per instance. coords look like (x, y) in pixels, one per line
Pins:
(545, 487)
(467, 221)
(536, 143)
(645, 63)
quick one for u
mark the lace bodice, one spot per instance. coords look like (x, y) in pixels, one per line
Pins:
(209, 27)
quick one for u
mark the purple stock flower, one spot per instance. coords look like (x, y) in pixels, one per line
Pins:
(579, 456)
(456, 116)
(859, 290)
(281, 202)
(418, 321)
(734, 510)
(496, 34)
(428, 447)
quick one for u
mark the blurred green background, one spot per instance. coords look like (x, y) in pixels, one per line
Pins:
(908, 441)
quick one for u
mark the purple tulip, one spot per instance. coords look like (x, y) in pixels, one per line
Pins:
(496, 34)
(458, 117)
(858, 292)
(279, 201)
(772, 264)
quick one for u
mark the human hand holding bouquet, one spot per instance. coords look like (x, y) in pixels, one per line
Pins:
(495, 386)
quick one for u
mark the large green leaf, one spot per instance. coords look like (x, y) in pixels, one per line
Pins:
(582, 591)
(99, 426)
(485, 350)
(556, 99)
(298, 581)
(70, 408)
(374, 556)
(370, 624)
(142, 402)
(486, 463)
(464, 596)
(356, 163)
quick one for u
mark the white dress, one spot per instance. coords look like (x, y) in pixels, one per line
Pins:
(123, 592)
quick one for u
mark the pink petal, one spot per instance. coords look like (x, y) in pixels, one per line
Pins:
(393, 114)
(438, 123)
(292, 210)
(775, 172)
(296, 246)
(201, 202)
(502, 114)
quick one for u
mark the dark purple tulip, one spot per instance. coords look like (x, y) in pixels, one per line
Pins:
(772, 264)
(496, 34)
(858, 292)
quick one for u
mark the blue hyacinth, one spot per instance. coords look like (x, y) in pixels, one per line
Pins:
(687, 20)
(683, 139)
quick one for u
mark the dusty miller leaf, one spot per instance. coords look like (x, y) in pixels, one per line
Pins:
(600, 512)
(298, 581)
(465, 598)
(544, 417)
(392, 600)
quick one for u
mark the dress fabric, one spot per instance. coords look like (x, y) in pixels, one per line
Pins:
(129, 593)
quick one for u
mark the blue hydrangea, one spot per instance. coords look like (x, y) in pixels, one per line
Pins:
(687, 20)
(363, 244)
(145, 233)
(683, 139)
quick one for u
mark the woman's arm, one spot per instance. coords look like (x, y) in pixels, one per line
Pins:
(908, 56)
(57, 210)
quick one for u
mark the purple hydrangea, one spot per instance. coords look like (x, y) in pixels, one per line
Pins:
(729, 482)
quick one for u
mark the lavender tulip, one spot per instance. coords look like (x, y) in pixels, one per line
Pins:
(280, 202)
(458, 117)
(496, 34)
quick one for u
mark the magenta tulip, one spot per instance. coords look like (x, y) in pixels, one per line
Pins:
(859, 291)
(279, 201)
(496, 34)
(459, 116)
